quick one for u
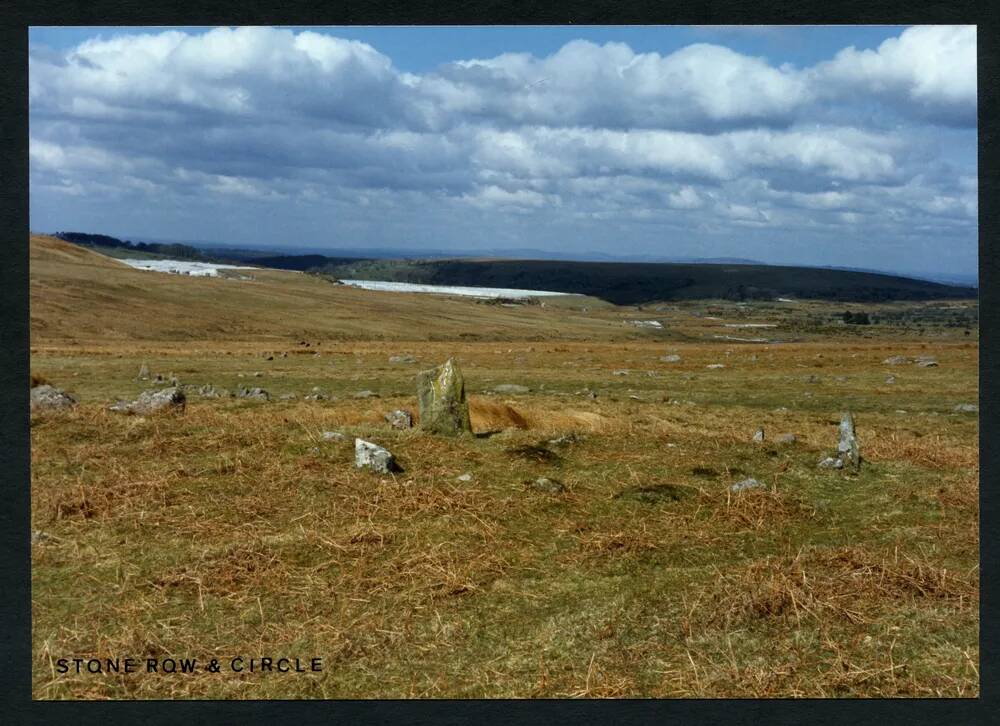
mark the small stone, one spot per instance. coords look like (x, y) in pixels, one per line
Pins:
(365, 394)
(786, 439)
(373, 456)
(258, 394)
(621, 372)
(749, 483)
(332, 436)
(967, 408)
(143, 373)
(890, 380)
(896, 360)
(672, 358)
(544, 484)
(464, 477)
(49, 398)
(402, 359)
(831, 463)
(927, 362)
(715, 366)
(400, 419)
(257, 374)
(149, 402)
(287, 397)
(208, 391)
(270, 357)
(758, 435)
(316, 394)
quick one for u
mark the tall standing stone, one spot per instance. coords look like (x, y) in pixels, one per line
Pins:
(847, 447)
(441, 395)
(143, 373)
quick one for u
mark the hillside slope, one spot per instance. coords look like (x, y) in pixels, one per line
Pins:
(78, 294)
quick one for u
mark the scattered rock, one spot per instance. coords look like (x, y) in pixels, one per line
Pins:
(443, 405)
(967, 408)
(332, 436)
(749, 483)
(149, 402)
(210, 391)
(896, 360)
(258, 394)
(143, 373)
(890, 380)
(400, 419)
(587, 393)
(786, 439)
(316, 394)
(365, 394)
(544, 484)
(672, 358)
(831, 463)
(621, 372)
(927, 361)
(716, 366)
(464, 477)
(758, 435)
(402, 359)
(49, 398)
(38, 536)
(511, 388)
(373, 456)
(257, 374)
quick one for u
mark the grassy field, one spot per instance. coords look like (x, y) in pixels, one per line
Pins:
(234, 529)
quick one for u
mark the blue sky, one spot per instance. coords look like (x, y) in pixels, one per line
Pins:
(844, 145)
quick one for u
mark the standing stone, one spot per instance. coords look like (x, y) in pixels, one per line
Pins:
(143, 373)
(441, 395)
(373, 456)
(758, 435)
(847, 447)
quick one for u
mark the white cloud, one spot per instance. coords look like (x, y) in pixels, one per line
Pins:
(930, 68)
(704, 137)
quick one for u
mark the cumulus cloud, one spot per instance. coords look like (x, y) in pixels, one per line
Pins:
(928, 70)
(704, 139)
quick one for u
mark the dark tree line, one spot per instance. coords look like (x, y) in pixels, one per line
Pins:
(171, 249)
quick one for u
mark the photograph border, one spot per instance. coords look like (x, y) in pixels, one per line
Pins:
(15, 636)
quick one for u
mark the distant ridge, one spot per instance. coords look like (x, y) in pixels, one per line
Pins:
(620, 280)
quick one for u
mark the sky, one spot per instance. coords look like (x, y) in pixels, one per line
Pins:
(850, 146)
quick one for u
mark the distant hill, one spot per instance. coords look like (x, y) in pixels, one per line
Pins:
(103, 243)
(630, 283)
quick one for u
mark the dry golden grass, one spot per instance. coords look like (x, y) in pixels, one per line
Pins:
(235, 529)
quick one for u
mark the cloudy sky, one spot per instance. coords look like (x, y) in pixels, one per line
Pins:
(851, 146)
